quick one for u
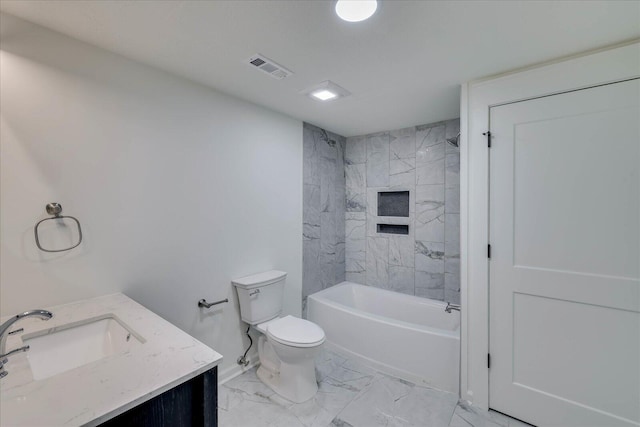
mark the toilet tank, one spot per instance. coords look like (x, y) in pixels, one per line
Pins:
(260, 296)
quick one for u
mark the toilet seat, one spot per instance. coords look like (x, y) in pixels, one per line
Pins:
(295, 332)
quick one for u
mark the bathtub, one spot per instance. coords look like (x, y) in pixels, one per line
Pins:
(409, 337)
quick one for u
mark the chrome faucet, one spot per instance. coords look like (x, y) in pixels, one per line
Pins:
(452, 307)
(4, 333)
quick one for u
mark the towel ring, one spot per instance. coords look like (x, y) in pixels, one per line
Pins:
(55, 209)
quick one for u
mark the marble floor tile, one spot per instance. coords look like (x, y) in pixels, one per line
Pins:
(350, 394)
(390, 401)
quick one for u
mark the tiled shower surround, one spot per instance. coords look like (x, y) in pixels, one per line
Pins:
(341, 185)
(426, 262)
(323, 257)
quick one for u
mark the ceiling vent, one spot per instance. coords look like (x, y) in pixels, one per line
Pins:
(266, 65)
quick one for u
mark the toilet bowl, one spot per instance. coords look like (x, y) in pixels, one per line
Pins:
(287, 347)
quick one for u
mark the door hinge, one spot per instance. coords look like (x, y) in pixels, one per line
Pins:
(488, 135)
(489, 360)
(489, 251)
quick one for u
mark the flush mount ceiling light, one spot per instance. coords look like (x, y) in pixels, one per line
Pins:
(326, 91)
(356, 10)
(323, 94)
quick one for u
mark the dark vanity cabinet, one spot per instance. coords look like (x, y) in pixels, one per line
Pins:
(192, 403)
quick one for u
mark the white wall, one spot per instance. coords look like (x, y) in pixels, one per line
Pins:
(178, 188)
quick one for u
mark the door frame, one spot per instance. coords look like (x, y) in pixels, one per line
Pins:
(607, 65)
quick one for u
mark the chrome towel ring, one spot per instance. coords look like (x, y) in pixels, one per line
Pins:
(55, 209)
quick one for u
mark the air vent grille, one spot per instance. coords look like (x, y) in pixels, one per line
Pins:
(269, 67)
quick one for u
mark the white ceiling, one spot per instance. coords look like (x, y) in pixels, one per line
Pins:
(403, 66)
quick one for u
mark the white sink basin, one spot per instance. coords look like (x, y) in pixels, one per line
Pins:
(72, 345)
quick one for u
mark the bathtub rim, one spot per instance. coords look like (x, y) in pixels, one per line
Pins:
(455, 334)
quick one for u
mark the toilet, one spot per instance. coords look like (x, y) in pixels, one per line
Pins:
(287, 345)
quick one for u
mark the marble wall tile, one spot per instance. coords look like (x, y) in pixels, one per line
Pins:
(327, 184)
(402, 174)
(356, 187)
(328, 233)
(452, 258)
(452, 129)
(430, 210)
(355, 151)
(402, 143)
(401, 251)
(430, 165)
(327, 270)
(355, 246)
(429, 257)
(324, 204)
(378, 160)
(417, 159)
(355, 226)
(377, 262)
(311, 267)
(310, 156)
(428, 136)
(429, 285)
(452, 170)
(401, 279)
(311, 212)
(356, 277)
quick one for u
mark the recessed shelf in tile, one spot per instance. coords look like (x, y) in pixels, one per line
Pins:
(393, 203)
(393, 229)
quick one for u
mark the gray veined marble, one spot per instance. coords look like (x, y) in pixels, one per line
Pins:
(430, 165)
(377, 272)
(430, 257)
(310, 172)
(392, 402)
(324, 205)
(402, 143)
(430, 209)
(355, 151)
(429, 135)
(327, 184)
(401, 251)
(401, 279)
(378, 160)
(402, 174)
(356, 188)
(355, 225)
(349, 394)
(311, 267)
(429, 285)
(452, 129)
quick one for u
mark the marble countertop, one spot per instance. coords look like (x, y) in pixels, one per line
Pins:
(98, 391)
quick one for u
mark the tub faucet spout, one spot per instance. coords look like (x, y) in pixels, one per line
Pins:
(450, 307)
(4, 333)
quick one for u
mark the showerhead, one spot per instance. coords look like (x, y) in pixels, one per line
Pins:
(325, 138)
(454, 141)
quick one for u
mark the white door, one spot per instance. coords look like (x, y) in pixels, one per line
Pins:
(564, 268)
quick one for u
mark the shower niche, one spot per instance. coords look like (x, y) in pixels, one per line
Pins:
(393, 204)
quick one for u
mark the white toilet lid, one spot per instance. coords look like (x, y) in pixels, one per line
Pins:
(295, 332)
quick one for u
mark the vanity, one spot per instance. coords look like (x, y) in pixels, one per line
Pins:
(107, 361)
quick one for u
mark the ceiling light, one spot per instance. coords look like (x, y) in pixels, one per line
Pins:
(356, 10)
(325, 91)
(324, 95)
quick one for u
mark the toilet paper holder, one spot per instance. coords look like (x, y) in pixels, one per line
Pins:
(203, 303)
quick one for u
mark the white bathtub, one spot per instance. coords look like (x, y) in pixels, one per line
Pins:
(402, 335)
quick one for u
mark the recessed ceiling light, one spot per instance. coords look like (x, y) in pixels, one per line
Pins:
(325, 91)
(356, 10)
(324, 95)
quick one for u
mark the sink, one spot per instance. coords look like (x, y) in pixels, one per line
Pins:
(69, 346)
